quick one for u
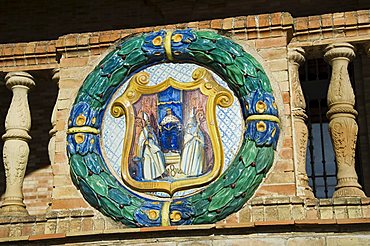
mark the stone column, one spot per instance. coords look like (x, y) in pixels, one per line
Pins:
(296, 58)
(16, 150)
(342, 124)
(52, 132)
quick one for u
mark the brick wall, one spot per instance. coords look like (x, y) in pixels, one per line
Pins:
(267, 37)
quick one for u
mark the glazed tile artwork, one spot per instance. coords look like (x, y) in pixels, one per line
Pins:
(184, 112)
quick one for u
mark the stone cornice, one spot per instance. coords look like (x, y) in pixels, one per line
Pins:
(27, 56)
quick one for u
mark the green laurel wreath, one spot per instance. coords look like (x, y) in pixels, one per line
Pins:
(243, 74)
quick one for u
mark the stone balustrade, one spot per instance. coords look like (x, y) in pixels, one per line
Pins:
(16, 149)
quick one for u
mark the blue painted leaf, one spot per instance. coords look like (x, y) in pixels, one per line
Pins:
(119, 197)
(93, 162)
(89, 194)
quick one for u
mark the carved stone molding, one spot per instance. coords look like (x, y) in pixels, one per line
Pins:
(296, 58)
(52, 132)
(342, 126)
(16, 150)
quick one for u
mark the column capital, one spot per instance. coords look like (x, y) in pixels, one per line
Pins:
(19, 78)
(296, 55)
(339, 50)
(367, 48)
(55, 75)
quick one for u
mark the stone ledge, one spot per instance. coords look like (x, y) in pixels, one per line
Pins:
(258, 201)
(219, 229)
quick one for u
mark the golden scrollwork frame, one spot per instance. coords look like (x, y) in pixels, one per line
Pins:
(138, 86)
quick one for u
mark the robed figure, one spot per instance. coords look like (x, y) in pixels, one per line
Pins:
(193, 154)
(150, 153)
(170, 128)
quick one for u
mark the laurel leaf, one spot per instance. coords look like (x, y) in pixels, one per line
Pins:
(221, 198)
(222, 57)
(131, 45)
(134, 58)
(78, 165)
(202, 45)
(201, 56)
(230, 46)
(208, 35)
(89, 194)
(246, 66)
(98, 184)
(236, 76)
(110, 207)
(264, 159)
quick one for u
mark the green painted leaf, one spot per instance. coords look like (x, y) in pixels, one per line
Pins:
(111, 207)
(265, 83)
(137, 56)
(201, 207)
(78, 165)
(106, 58)
(230, 46)
(202, 45)
(206, 218)
(201, 56)
(246, 66)
(249, 152)
(119, 197)
(109, 179)
(89, 194)
(219, 69)
(234, 173)
(118, 76)
(130, 45)
(208, 35)
(74, 177)
(98, 184)
(244, 182)
(222, 57)
(235, 74)
(128, 212)
(223, 197)
(264, 159)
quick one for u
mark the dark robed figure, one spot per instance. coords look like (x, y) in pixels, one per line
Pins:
(170, 133)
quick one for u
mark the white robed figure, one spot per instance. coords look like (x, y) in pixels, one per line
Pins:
(150, 153)
(193, 155)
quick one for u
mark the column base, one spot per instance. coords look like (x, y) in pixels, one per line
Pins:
(349, 192)
(307, 193)
(13, 208)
